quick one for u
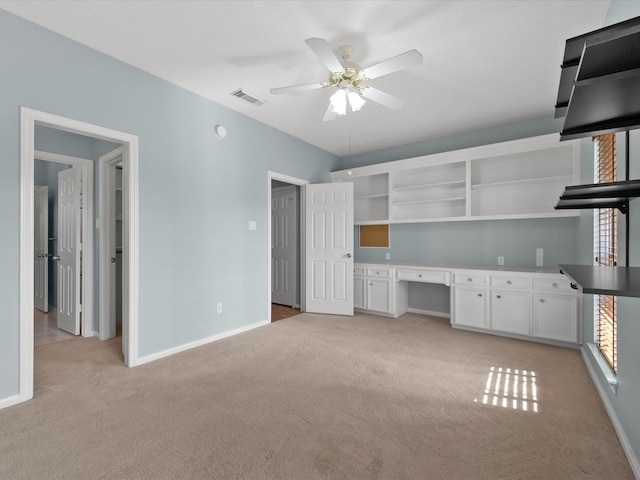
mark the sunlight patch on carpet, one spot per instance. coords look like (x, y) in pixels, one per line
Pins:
(511, 388)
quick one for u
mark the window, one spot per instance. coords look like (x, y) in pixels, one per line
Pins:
(605, 306)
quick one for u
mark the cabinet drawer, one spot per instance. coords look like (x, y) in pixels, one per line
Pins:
(470, 279)
(379, 272)
(553, 284)
(515, 283)
(426, 276)
(359, 271)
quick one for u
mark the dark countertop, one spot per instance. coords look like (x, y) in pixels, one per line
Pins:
(596, 279)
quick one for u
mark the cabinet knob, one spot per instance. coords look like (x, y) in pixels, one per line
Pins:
(469, 280)
(542, 300)
(419, 275)
(498, 296)
(479, 294)
(370, 284)
(555, 285)
(509, 282)
(377, 273)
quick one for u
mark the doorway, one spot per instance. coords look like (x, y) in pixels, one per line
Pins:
(285, 246)
(78, 319)
(29, 119)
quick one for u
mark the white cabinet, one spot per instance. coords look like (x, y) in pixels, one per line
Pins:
(470, 306)
(555, 317)
(526, 305)
(510, 311)
(374, 289)
(516, 179)
(556, 309)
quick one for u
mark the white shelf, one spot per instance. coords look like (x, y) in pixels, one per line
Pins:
(526, 181)
(376, 195)
(452, 183)
(433, 200)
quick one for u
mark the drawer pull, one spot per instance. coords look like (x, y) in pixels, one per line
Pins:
(555, 285)
(479, 294)
(509, 282)
(573, 285)
(469, 280)
(542, 300)
(498, 296)
(419, 275)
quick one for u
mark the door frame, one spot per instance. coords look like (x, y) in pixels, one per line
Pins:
(29, 118)
(107, 181)
(301, 183)
(86, 174)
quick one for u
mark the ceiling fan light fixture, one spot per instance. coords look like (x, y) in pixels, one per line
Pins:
(355, 100)
(339, 102)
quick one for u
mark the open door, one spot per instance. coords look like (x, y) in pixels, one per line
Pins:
(284, 248)
(69, 249)
(41, 248)
(329, 248)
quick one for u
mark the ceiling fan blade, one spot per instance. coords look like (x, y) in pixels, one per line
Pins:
(322, 49)
(330, 114)
(378, 96)
(296, 88)
(394, 64)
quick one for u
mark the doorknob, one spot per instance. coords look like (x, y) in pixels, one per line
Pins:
(348, 255)
(113, 259)
(55, 257)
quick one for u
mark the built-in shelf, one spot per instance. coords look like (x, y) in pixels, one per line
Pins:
(375, 195)
(453, 183)
(526, 181)
(600, 280)
(433, 200)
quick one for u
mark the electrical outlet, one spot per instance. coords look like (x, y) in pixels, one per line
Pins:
(500, 260)
(219, 308)
(387, 256)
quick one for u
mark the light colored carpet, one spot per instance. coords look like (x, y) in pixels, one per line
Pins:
(314, 397)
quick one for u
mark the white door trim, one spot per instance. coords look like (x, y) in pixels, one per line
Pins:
(28, 120)
(107, 327)
(294, 181)
(86, 169)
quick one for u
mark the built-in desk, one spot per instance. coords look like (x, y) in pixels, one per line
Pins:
(529, 303)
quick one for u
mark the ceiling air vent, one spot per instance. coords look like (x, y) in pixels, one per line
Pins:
(249, 97)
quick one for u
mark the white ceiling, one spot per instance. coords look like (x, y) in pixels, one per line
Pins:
(485, 62)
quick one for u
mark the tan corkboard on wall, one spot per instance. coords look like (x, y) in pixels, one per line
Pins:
(374, 236)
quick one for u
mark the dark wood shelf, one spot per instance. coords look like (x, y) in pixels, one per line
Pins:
(599, 280)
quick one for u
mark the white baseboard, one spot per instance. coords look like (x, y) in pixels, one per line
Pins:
(9, 401)
(428, 312)
(198, 343)
(617, 425)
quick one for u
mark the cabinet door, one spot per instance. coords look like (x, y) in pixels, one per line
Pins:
(470, 307)
(359, 286)
(510, 312)
(379, 295)
(555, 317)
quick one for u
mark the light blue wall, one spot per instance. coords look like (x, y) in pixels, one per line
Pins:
(197, 193)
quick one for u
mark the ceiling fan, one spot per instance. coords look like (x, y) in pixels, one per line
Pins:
(349, 79)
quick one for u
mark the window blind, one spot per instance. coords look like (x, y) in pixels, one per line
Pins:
(605, 233)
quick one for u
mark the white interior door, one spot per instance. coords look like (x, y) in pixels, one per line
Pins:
(329, 248)
(69, 249)
(41, 248)
(284, 251)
